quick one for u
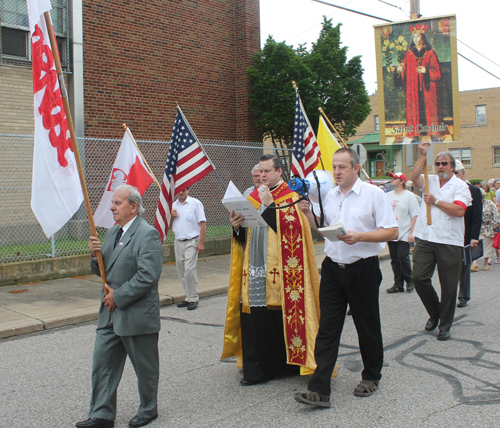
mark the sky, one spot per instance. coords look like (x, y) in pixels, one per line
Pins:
(299, 21)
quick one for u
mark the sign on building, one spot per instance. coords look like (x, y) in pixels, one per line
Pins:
(418, 81)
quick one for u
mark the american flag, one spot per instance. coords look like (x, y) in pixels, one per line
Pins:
(306, 151)
(186, 164)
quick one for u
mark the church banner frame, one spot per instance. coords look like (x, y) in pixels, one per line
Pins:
(417, 81)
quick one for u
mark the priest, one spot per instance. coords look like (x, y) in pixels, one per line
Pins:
(273, 298)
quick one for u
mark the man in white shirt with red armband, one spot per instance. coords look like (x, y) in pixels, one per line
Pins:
(442, 242)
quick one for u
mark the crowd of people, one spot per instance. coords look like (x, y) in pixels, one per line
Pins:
(282, 317)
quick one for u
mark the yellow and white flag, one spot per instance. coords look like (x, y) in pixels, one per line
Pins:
(328, 145)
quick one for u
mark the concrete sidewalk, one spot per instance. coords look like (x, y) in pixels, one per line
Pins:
(31, 307)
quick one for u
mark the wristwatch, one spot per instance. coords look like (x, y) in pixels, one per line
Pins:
(436, 202)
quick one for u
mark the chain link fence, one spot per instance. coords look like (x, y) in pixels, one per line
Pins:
(22, 238)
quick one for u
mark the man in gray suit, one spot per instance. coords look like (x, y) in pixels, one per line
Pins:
(129, 316)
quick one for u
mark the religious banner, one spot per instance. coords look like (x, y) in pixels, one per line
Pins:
(418, 81)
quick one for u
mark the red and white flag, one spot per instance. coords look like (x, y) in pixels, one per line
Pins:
(186, 164)
(129, 168)
(56, 192)
(306, 151)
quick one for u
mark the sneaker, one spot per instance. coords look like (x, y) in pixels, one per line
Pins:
(313, 399)
(489, 260)
(183, 304)
(497, 260)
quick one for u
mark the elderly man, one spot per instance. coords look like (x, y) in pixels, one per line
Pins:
(442, 242)
(473, 219)
(129, 316)
(273, 309)
(350, 274)
(256, 181)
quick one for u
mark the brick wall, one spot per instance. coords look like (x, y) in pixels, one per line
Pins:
(141, 57)
(16, 101)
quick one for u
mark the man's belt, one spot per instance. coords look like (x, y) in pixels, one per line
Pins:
(356, 264)
(189, 239)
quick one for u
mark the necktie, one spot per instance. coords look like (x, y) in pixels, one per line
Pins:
(118, 236)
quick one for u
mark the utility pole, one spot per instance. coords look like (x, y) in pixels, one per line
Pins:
(415, 9)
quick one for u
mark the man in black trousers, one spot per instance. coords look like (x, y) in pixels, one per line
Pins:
(473, 219)
(350, 274)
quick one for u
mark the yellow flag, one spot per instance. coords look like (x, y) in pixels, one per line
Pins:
(327, 144)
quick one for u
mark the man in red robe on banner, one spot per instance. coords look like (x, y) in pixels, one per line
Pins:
(420, 73)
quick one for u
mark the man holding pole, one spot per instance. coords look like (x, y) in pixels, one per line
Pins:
(440, 243)
(129, 316)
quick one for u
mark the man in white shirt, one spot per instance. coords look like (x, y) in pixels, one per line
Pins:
(189, 225)
(405, 208)
(256, 181)
(350, 274)
(442, 242)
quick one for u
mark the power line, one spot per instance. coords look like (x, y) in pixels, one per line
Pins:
(479, 53)
(387, 20)
(458, 53)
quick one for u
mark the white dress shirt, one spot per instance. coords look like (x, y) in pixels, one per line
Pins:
(365, 208)
(445, 229)
(189, 215)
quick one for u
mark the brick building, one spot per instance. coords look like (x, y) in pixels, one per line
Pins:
(479, 148)
(132, 61)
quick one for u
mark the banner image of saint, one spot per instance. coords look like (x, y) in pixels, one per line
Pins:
(417, 81)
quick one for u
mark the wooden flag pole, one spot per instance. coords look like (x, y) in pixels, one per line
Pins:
(426, 185)
(142, 156)
(344, 144)
(64, 94)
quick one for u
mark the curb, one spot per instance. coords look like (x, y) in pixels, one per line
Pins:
(28, 325)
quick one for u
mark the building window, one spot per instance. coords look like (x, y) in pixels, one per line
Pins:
(375, 122)
(496, 156)
(481, 115)
(16, 43)
(463, 155)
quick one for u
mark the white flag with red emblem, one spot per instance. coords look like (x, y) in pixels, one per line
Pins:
(129, 168)
(56, 192)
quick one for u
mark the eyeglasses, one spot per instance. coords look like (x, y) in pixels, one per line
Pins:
(444, 163)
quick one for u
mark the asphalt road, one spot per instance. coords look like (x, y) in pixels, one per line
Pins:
(45, 377)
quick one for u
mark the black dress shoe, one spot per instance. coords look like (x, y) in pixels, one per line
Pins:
(462, 303)
(432, 324)
(245, 382)
(183, 304)
(192, 306)
(138, 421)
(395, 289)
(95, 423)
(410, 287)
(443, 335)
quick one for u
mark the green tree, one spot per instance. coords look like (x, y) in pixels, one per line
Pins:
(324, 76)
(339, 85)
(272, 97)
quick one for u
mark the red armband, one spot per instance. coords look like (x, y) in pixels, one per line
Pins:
(460, 204)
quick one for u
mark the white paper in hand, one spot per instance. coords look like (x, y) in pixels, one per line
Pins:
(234, 201)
